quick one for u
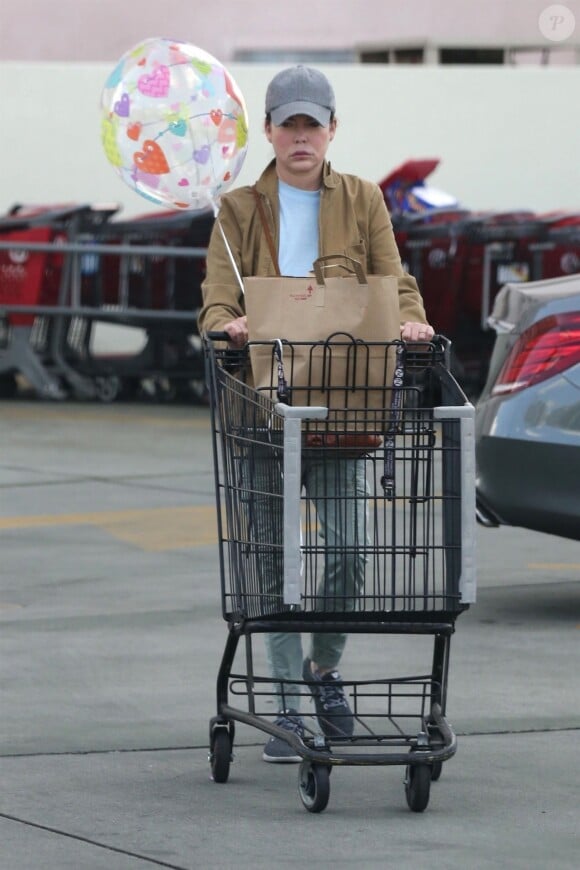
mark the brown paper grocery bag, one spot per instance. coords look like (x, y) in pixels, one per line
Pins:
(330, 326)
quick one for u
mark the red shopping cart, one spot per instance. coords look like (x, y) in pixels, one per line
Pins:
(71, 272)
(148, 278)
(35, 274)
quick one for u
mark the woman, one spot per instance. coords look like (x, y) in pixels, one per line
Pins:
(309, 211)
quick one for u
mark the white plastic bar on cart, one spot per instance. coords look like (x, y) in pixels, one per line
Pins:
(466, 416)
(293, 417)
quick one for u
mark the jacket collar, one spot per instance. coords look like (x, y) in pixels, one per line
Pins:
(267, 183)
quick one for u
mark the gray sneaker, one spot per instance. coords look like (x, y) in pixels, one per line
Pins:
(277, 750)
(332, 709)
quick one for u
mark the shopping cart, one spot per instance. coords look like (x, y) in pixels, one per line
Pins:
(36, 276)
(418, 545)
(70, 275)
(146, 280)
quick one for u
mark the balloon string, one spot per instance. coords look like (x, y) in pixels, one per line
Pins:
(230, 254)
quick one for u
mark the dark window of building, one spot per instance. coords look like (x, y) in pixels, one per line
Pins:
(375, 56)
(394, 55)
(471, 55)
(408, 55)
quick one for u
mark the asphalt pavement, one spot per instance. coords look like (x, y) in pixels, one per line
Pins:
(111, 635)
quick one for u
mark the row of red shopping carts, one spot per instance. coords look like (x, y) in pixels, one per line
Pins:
(70, 272)
(461, 258)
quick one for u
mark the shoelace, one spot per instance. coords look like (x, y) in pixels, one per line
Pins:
(331, 695)
(290, 723)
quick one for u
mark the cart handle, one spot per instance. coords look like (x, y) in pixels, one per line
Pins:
(217, 335)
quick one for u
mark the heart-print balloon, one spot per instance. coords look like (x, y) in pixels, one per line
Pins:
(116, 76)
(134, 131)
(146, 178)
(108, 135)
(155, 84)
(201, 155)
(241, 132)
(177, 55)
(202, 66)
(151, 160)
(232, 89)
(227, 131)
(179, 128)
(174, 124)
(123, 106)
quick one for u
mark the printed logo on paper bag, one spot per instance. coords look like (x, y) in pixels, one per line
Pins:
(302, 297)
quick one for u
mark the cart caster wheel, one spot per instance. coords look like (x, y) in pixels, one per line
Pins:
(8, 386)
(220, 755)
(314, 786)
(129, 389)
(436, 769)
(107, 388)
(417, 786)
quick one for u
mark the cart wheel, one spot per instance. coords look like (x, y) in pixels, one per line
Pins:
(8, 386)
(129, 388)
(436, 769)
(221, 755)
(199, 392)
(107, 388)
(417, 786)
(314, 786)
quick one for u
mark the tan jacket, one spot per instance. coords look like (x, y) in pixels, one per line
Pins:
(353, 220)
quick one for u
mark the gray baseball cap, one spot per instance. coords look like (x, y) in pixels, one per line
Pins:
(300, 90)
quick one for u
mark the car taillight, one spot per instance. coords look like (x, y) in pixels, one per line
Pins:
(548, 347)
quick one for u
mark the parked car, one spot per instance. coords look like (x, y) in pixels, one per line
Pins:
(528, 415)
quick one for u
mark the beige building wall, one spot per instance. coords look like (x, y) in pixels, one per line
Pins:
(507, 138)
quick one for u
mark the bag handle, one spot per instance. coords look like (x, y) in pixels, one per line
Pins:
(266, 228)
(353, 266)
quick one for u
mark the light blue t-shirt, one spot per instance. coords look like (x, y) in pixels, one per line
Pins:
(298, 229)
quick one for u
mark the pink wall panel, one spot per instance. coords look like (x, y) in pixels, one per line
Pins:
(102, 30)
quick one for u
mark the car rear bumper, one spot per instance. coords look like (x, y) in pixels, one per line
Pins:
(529, 484)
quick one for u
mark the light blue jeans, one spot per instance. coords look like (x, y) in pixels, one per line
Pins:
(336, 486)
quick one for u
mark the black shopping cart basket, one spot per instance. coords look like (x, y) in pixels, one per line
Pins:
(414, 440)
